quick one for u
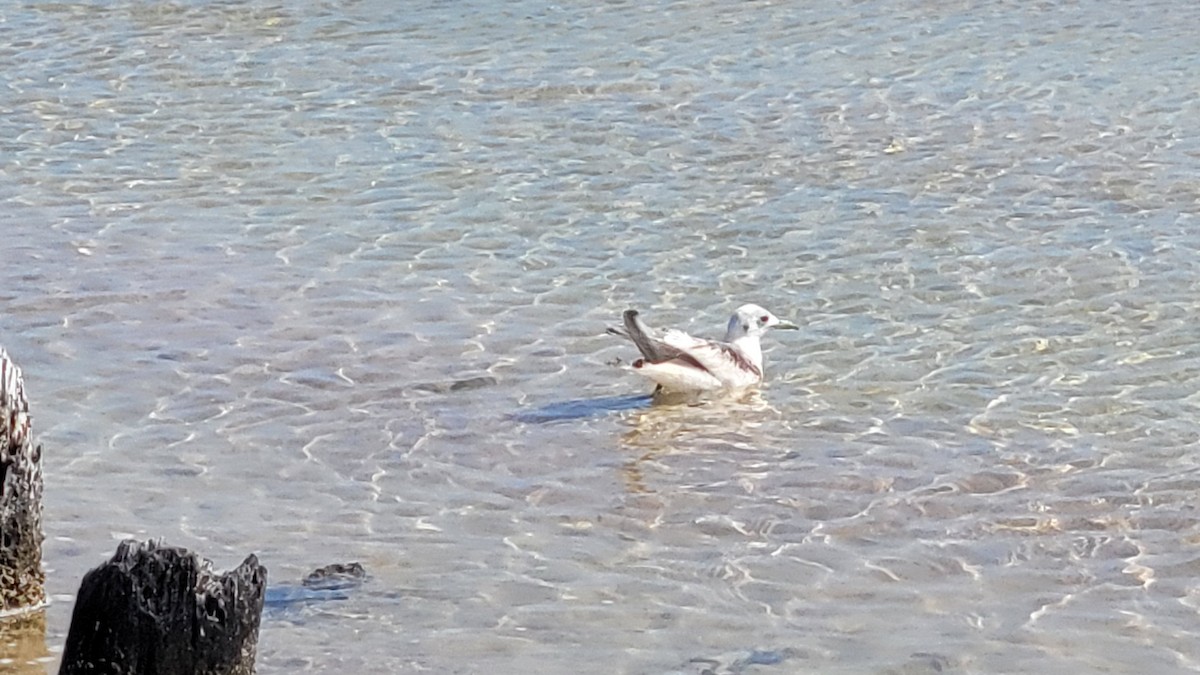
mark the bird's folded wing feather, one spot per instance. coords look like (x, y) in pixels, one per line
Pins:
(715, 357)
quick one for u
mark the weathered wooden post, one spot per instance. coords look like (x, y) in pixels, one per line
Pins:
(21, 576)
(150, 610)
(160, 610)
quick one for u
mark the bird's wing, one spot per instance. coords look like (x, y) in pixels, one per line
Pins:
(676, 348)
(720, 359)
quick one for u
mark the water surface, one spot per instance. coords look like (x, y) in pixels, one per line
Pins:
(302, 279)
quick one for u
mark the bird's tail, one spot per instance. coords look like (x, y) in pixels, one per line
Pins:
(641, 335)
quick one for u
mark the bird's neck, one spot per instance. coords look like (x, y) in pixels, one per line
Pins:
(750, 348)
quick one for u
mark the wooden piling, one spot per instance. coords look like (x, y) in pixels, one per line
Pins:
(21, 577)
(160, 610)
(150, 610)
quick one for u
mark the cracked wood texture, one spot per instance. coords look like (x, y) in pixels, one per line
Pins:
(21, 576)
(160, 610)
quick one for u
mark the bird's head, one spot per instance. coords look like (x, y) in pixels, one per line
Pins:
(754, 320)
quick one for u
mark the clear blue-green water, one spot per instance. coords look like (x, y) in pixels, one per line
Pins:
(250, 248)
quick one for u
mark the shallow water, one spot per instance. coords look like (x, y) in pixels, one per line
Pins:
(304, 280)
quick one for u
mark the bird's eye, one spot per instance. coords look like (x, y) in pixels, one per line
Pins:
(764, 319)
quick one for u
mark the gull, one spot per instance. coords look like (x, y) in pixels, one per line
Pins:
(681, 363)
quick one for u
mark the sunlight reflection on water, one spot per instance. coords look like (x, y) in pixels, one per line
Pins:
(318, 282)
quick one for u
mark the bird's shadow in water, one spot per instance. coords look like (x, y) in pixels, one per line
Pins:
(581, 408)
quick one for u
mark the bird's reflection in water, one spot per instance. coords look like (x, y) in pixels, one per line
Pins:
(583, 408)
(665, 424)
(677, 425)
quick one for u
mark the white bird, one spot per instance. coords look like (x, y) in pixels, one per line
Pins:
(679, 362)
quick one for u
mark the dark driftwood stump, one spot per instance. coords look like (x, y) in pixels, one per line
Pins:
(158, 610)
(21, 575)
